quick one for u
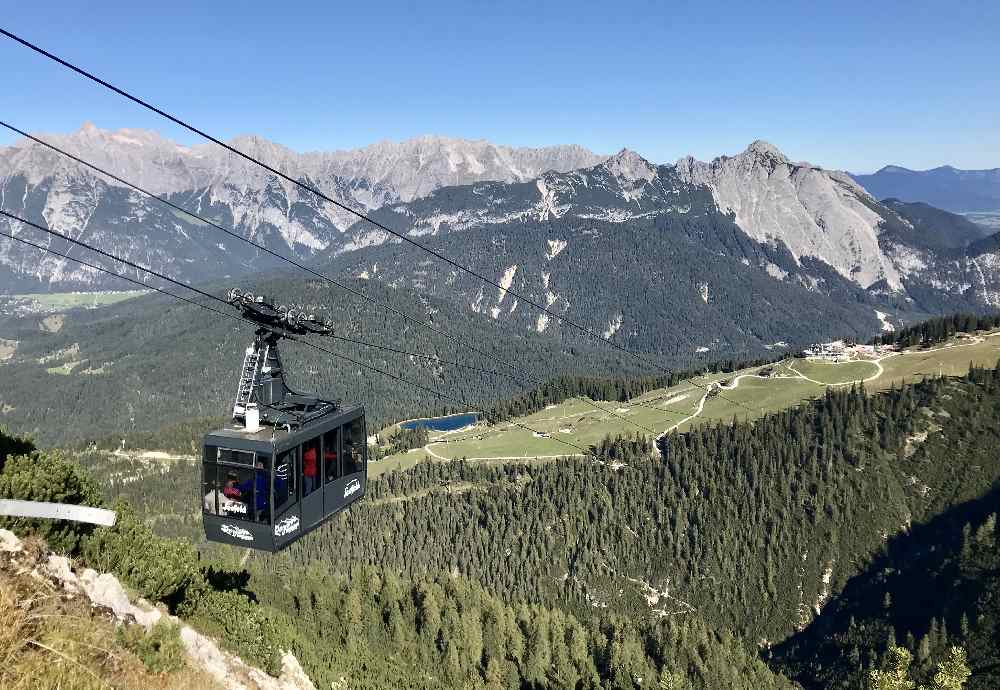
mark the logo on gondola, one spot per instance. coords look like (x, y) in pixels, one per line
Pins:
(238, 532)
(353, 487)
(286, 526)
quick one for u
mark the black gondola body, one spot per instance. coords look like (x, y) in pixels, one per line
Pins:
(288, 462)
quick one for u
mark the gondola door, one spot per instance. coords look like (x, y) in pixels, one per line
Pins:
(285, 486)
(312, 482)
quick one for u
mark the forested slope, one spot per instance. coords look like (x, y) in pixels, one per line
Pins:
(935, 584)
(785, 528)
(152, 362)
(367, 627)
(750, 525)
(670, 283)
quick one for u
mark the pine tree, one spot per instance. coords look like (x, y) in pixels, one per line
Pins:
(895, 672)
(672, 680)
(953, 671)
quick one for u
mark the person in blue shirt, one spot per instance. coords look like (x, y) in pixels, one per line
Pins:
(259, 484)
(261, 490)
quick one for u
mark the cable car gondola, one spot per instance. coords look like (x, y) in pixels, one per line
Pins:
(288, 462)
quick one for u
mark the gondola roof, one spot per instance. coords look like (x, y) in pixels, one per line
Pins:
(277, 434)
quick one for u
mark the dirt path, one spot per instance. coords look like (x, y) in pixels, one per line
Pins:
(701, 405)
(430, 452)
(880, 370)
(974, 340)
(455, 488)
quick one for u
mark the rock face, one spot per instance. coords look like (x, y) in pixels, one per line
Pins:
(814, 212)
(622, 188)
(774, 236)
(233, 674)
(816, 215)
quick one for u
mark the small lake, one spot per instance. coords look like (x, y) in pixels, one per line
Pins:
(449, 423)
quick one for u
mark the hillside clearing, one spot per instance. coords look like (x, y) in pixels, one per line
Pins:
(745, 394)
(59, 301)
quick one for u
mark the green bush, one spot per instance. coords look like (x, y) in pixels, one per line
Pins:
(159, 569)
(244, 627)
(42, 476)
(160, 648)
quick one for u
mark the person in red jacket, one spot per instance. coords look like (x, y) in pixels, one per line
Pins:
(330, 457)
(310, 477)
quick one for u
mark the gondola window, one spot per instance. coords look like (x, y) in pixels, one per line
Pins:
(354, 447)
(331, 454)
(229, 484)
(311, 466)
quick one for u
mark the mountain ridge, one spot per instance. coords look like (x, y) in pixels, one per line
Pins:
(946, 187)
(191, 165)
(809, 223)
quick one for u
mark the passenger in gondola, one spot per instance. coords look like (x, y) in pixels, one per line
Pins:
(309, 477)
(233, 500)
(260, 492)
(231, 490)
(330, 458)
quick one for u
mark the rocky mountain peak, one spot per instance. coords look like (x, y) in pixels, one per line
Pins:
(629, 165)
(814, 212)
(89, 136)
(764, 148)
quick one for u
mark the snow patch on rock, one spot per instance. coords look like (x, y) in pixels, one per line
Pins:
(884, 320)
(613, 326)
(555, 247)
(703, 291)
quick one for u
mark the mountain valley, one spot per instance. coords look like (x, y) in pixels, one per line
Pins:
(728, 517)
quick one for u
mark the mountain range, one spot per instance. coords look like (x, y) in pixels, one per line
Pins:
(946, 187)
(738, 240)
(212, 182)
(752, 243)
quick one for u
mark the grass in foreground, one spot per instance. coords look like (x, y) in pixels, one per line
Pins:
(51, 640)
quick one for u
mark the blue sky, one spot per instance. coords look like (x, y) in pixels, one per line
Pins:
(853, 85)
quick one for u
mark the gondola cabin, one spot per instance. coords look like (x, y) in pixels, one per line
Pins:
(288, 461)
(266, 489)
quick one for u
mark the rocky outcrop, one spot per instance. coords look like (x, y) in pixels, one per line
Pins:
(105, 591)
(814, 212)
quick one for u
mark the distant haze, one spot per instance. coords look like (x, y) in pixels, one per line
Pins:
(961, 191)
